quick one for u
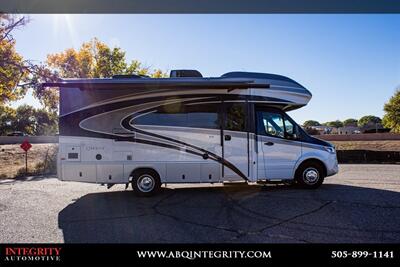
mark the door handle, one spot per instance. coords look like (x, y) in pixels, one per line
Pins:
(269, 144)
(227, 137)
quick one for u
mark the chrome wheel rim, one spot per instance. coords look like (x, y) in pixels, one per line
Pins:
(311, 176)
(145, 183)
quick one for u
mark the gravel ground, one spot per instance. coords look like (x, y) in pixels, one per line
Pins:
(360, 204)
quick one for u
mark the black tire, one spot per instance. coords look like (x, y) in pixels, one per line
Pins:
(310, 175)
(146, 182)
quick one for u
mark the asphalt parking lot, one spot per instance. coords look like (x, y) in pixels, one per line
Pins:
(360, 204)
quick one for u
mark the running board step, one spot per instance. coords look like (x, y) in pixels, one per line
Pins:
(274, 181)
(235, 183)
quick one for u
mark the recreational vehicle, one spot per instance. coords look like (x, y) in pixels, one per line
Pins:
(187, 129)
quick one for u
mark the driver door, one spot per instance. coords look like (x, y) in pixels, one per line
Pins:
(277, 141)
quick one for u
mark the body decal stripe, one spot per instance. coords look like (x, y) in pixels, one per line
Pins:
(69, 125)
(125, 123)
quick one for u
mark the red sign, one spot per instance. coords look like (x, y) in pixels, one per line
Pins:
(25, 145)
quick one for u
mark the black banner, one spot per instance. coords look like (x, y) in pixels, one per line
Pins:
(265, 254)
(200, 6)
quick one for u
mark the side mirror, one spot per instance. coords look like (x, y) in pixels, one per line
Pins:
(291, 136)
(295, 135)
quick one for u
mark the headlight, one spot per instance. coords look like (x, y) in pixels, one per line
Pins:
(330, 149)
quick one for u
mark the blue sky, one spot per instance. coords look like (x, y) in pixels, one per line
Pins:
(351, 63)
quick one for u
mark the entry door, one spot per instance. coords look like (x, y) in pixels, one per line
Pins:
(235, 141)
(276, 137)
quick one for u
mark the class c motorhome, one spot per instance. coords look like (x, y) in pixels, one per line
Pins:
(187, 129)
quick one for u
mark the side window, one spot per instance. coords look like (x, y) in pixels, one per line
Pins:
(168, 115)
(203, 115)
(235, 116)
(182, 115)
(271, 124)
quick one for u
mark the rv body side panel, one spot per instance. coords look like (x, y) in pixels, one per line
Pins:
(106, 134)
(106, 161)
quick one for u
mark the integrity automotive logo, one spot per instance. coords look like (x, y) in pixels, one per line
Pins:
(31, 254)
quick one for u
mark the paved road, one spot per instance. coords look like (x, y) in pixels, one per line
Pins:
(361, 204)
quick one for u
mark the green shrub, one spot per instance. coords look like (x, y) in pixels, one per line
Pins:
(49, 163)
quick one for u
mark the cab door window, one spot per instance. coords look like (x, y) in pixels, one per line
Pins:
(290, 129)
(274, 124)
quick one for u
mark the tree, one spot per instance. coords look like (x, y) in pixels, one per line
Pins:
(25, 120)
(94, 59)
(391, 119)
(46, 122)
(13, 68)
(368, 120)
(7, 117)
(16, 73)
(336, 123)
(310, 123)
(350, 122)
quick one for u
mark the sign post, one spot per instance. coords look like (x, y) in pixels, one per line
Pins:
(26, 146)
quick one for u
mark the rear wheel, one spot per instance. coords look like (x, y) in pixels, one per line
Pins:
(146, 182)
(310, 175)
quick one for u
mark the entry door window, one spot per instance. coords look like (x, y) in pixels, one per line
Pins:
(235, 117)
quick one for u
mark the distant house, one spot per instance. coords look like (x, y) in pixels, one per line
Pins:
(324, 129)
(333, 130)
(374, 128)
(349, 130)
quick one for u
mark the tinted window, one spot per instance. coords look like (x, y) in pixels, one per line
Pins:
(181, 115)
(235, 116)
(203, 115)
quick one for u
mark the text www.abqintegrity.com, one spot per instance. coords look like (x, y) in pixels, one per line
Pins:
(203, 254)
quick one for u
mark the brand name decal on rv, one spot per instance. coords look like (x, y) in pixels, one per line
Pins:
(91, 148)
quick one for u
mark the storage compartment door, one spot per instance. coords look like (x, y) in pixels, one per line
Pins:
(183, 172)
(79, 173)
(111, 173)
(210, 172)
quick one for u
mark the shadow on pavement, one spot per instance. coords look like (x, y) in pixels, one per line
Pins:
(28, 178)
(332, 213)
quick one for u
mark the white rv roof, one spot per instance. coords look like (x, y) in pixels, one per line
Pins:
(230, 81)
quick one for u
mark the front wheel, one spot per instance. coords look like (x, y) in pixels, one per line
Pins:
(310, 175)
(146, 183)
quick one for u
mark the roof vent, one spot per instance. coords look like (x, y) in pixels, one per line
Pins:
(185, 73)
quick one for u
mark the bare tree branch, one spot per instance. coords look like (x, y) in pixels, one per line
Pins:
(5, 33)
